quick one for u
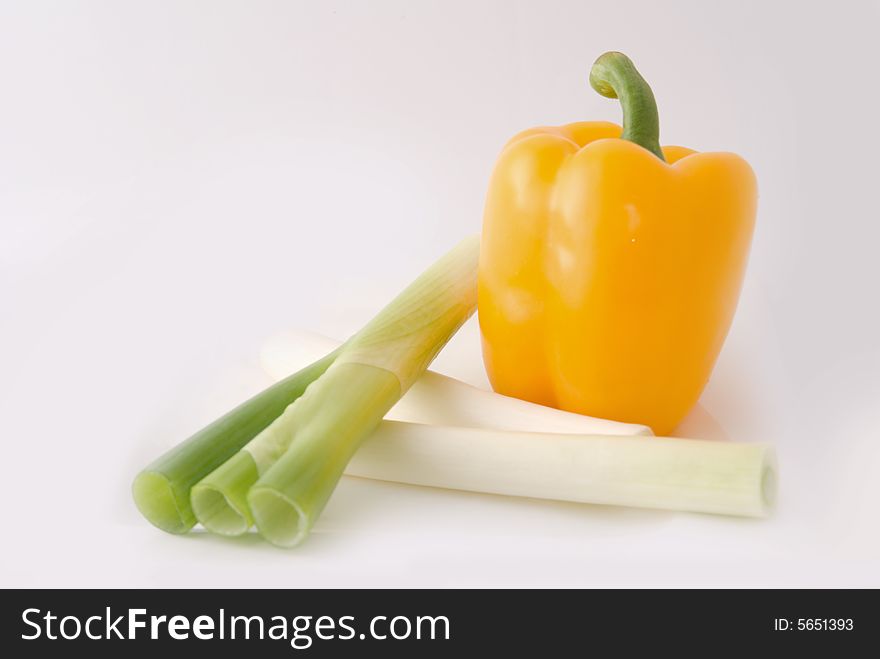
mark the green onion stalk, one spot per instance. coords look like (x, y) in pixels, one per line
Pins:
(162, 490)
(282, 478)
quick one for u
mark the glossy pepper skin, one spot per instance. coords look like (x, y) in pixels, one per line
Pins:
(608, 276)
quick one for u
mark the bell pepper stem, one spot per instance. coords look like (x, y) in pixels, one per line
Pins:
(615, 76)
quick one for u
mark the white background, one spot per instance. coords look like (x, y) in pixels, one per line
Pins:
(181, 180)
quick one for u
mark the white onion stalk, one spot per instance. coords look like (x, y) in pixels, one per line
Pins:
(445, 433)
(441, 400)
(693, 475)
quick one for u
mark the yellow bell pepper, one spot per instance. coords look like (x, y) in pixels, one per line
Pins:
(610, 268)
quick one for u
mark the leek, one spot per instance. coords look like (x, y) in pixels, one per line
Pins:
(693, 475)
(162, 490)
(282, 478)
(444, 401)
(419, 444)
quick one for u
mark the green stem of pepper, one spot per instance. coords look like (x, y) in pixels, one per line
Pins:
(615, 76)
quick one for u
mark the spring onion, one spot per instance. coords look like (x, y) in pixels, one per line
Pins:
(419, 444)
(282, 478)
(162, 490)
(726, 478)
(444, 401)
